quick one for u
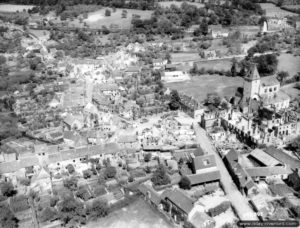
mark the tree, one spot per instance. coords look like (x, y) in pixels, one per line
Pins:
(7, 218)
(266, 64)
(175, 100)
(295, 146)
(70, 168)
(2, 59)
(107, 13)
(204, 27)
(99, 209)
(147, 157)
(71, 183)
(233, 68)
(87, 173)
(282, 75)
(72, 211)
(7, 189)
(160, 176)
(110, 172)
(185, 183)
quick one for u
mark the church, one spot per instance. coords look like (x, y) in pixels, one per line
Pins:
(263, 91)
(263, 114)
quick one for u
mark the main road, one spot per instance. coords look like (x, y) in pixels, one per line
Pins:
(238, 201)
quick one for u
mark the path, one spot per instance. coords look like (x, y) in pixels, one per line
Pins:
(238, 201)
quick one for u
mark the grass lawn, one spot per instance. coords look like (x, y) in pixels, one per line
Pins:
(289, 63)
(272, 10)
(169, 3)
(14, 8)
(137, 215)
(98, 19)
(200, 86)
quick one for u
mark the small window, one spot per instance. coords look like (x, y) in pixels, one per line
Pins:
(270, 90)
(74, 160)
(275, 88)
(266, 90)
(57, 163)
(43, 153)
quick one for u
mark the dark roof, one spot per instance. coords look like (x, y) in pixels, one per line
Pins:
(232, 155)
(178, 198)
(204, 177)
(205, 161)
(252, 74)
(267, 171)
(283, 157)
(264, 158)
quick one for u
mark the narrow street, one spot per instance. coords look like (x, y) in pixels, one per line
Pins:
(238, 201)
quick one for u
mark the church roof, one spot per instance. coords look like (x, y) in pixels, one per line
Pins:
(269, 81)
(252, 73)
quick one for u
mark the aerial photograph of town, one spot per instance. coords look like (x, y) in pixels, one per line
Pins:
(149, 113)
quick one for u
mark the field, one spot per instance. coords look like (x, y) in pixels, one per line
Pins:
(289, 63)
(291, 90)
(137, 215)
(272, 10)
(199, 86)
(98, 19)
(169, 3)
(14, 8)
(183, 57)
(224, 64)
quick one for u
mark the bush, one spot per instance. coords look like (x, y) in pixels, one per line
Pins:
(110, 172)
(7, 189)
(99, 190)
(25, 181)
(219, 209)
(107, 13)
(160, 176)
(130, 179)
(70, 168)
(71, 183)
(87, 173)
(185, 183)
(53, 201)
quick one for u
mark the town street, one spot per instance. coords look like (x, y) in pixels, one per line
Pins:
(238, 201)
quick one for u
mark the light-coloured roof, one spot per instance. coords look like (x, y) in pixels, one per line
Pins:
(269, 81)
(267, 171)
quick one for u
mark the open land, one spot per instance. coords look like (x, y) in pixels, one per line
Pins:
(224, 86)
(14, 8)
(137, 215)
(272, 10)
(169, 3)
(98, 19)
(289, 63)
(291, 90)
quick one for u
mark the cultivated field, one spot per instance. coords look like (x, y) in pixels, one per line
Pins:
(14, 8)
(223, 64)
(98, 19)
(289, 63)
(169, 3)
(272, 10)
(137, 215)
(200, 86)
